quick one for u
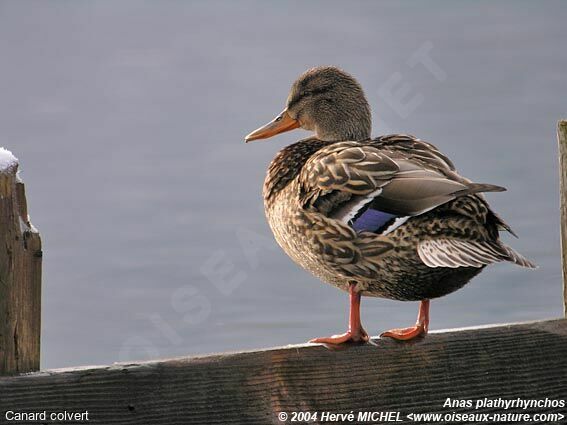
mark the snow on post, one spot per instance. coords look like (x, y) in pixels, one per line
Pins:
(8, 161)
(8, 169)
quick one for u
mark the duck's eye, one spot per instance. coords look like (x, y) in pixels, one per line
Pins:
(307, 93)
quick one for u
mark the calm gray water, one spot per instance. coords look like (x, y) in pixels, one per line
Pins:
(128, 119)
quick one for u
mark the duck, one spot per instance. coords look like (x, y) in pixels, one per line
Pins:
(386, 217)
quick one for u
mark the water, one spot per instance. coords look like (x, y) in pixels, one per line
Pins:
(129, 117)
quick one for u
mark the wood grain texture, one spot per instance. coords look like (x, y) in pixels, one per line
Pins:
(20, 280)
(510, 361)
(562, 140)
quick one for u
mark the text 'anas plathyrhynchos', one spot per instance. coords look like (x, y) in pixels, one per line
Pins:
(386, 217)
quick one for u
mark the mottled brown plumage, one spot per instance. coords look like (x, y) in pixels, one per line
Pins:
(388, 217)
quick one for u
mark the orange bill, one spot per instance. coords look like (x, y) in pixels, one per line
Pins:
(283, 122)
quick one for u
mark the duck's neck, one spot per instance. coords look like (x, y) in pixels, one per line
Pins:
(346, 124)
(354, 134)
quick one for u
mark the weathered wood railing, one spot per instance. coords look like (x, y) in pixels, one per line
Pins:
(527, 361)
(523, 360)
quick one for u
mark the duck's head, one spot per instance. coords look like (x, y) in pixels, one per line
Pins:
(325, 100)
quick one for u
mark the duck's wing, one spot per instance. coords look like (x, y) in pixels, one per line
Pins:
(428, 156)
(368, 184)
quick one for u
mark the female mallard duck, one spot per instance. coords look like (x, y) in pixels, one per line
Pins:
(388, 217)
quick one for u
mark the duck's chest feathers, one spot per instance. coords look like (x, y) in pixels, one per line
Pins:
(287, 165)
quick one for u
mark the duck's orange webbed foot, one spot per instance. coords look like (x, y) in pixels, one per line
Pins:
(404, 334)
(420, 328)
(356, 332)
(360, 336)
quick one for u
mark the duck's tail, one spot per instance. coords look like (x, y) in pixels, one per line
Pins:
(517, 258)
(485, 187)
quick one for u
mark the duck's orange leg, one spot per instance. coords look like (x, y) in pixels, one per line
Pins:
(356, 332)
(420, 327)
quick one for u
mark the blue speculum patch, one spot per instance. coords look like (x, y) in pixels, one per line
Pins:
(371, 220)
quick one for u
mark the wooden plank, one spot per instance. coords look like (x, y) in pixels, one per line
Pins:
(20, 275)
(510, 361)
(562, 140)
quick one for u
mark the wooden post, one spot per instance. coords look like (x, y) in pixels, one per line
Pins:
(20, 275)
(562, 139)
